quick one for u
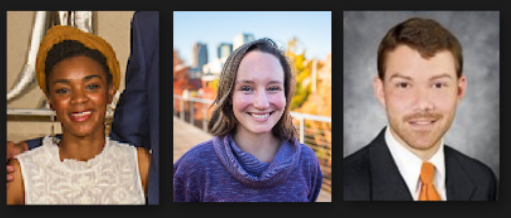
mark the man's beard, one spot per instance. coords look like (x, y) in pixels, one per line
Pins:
(421, 139)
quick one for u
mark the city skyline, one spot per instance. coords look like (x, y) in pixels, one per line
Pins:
(312, 29)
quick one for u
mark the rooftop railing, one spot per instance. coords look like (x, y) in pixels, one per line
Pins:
(313, 130)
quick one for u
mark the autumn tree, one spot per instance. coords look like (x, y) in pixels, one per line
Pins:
(181, 80)
(303, 73)
(318, 103)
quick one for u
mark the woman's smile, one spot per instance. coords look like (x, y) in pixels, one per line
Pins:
(260, 116)
(258, 99)
(80, 116)
(79, 93)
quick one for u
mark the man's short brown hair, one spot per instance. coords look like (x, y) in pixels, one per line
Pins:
(426, 36)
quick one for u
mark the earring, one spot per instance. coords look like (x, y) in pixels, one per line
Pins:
(107, 124)
(52, 131)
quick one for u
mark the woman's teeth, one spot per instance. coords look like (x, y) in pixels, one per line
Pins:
(81, 114)
(260, 115)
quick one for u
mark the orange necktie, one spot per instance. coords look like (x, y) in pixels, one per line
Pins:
(428, 191)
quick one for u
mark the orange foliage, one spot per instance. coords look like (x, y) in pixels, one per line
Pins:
(181, 80)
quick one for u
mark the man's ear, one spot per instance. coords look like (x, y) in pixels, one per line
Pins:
(378, 90)
(462, 88)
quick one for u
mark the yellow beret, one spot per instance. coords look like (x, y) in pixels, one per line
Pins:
(58, 34)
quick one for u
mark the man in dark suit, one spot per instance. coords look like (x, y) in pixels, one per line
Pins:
(136, 118)
(419, 83)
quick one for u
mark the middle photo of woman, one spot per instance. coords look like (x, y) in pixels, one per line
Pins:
(254, 156)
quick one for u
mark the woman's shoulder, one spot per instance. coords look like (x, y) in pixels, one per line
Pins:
(126, 147)
(37, 151)
(116, 149)
(306, 150)
(114, 143)
(30, 153)
(307, 155)
(200, 153)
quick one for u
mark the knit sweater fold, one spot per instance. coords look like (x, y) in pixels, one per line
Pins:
(248, 170)
(218, 170)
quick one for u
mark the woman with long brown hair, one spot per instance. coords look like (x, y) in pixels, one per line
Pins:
(254, 156)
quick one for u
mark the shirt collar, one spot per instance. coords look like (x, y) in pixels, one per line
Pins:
(409, 164)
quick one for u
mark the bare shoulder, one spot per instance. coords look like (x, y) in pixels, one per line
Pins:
(15, 190)
(144, 161)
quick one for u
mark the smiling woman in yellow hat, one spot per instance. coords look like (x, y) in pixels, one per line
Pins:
(79, 74)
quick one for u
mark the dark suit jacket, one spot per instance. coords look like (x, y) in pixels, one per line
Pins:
(136, 118)
(371, 174)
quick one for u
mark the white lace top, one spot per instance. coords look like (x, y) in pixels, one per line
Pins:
(111, 177)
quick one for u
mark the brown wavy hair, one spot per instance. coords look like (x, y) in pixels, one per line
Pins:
(223, 120)
(426, 36)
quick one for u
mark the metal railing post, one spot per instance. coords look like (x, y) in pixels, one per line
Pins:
(191, 112)
(302, 130)
(182, 108)
(204, 117)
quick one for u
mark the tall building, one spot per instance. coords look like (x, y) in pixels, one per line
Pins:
(200, 55)
(224, 50)
(241, 39)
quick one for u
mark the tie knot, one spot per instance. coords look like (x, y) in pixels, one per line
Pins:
(427, 173)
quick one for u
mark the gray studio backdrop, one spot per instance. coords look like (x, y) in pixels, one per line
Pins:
(475, 130)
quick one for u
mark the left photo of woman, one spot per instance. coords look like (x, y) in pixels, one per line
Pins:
(99, 144)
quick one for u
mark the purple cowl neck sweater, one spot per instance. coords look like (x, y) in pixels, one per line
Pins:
(219, 171)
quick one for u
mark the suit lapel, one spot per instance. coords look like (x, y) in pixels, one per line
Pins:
(459, 185)
(387, 184)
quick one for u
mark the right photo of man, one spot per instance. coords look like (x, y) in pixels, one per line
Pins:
(421, 106)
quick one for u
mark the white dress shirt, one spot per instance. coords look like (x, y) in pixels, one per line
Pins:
(409, 166)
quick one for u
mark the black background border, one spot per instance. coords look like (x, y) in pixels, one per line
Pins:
(338, 208)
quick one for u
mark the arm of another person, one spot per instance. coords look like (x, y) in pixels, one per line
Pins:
(131, 122)
(136, 118)
(18, 148)
(16, 189)
(144, 161)
(15, 149)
